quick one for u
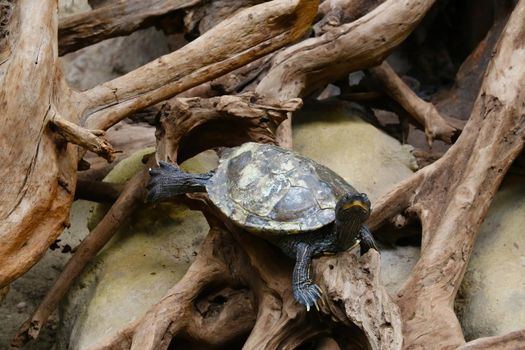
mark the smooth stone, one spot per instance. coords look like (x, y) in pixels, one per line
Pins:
(334, 134)
(147, 256)
(491, 301)
(71, 7)
(396, 264)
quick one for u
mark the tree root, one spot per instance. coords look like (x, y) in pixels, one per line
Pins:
(252, 279)
(97, 191)
(510, 341)
(356, 296)
(110, 102)
(315, 62)
(436, 127)
(452, 204)
(219, 121)
(88, 139)
(115, 19)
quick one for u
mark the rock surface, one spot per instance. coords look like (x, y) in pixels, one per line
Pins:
(396, 264)
(492, 296)
(27, 292)
(147, 256)
(69, 7)
(333, 134)
(114, 57)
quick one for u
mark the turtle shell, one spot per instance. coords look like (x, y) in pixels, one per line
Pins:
(269, 190)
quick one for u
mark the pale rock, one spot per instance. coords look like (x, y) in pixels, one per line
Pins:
(396, 264)
(147, 256)
(70, 7)
(492, 296)
(333, 134)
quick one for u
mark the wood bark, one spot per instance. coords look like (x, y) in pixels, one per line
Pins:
(239, 286)
(365, 42)
(42, 173)
(425, 113)
(452, 204)
(114, 19)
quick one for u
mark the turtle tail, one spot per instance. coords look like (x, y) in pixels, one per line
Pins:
(168, 180)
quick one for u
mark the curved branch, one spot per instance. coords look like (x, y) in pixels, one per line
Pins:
(176, 312)
(37, 170)
(313, 63)
(356, 296)
(120, 18)
(231, 44)
(222, 121)
(452, 204)
(511, 341)
(363, 43)
(436, 127)
(397, 200)
(88, 139)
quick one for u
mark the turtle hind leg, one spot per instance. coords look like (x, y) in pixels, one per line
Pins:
(168, 180)
(305, 291)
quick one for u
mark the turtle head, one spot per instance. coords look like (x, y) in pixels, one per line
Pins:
(353, 207)
(351, 212)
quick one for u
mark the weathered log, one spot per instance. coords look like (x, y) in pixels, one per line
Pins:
(223, 121)
(39, 169)
(313, 63)
(436, 126)
(131, 196)
(452, 195)
(88, 139)
(114, 19)
(511, 341)
(42, 171)
(356, 297)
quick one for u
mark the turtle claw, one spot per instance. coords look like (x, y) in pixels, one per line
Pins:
(308, 294)
(318, 289)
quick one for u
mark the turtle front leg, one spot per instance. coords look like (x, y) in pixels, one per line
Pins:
(168, 180)
(366, 240)
(305, 291)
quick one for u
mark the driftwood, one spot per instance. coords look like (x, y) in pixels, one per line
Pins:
(41, 174)
(238, 289)
(436, 126)
(452, 204)
(114, 19)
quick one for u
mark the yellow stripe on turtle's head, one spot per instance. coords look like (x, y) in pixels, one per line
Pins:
(353, 206)
(356, 204)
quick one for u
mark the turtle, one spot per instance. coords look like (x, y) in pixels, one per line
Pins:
(295, 203)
